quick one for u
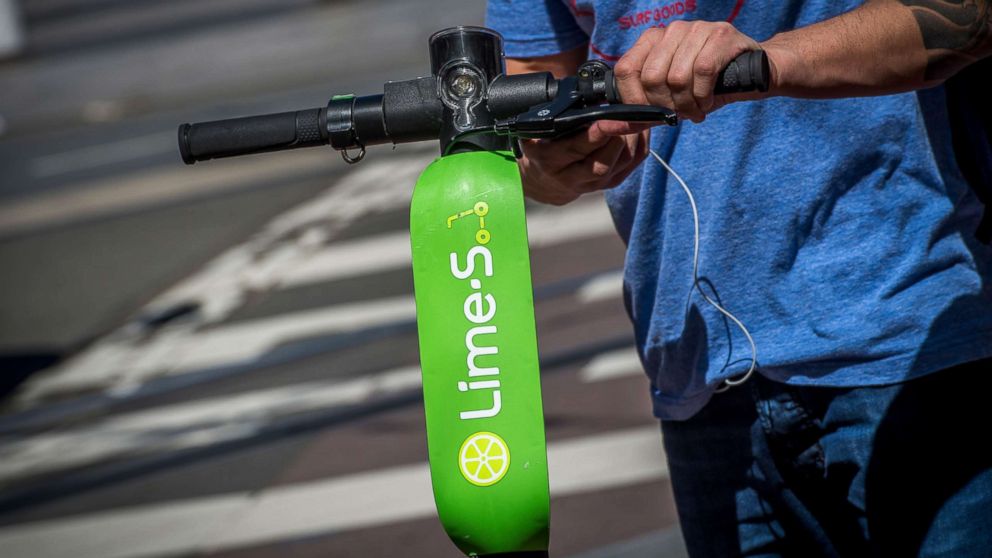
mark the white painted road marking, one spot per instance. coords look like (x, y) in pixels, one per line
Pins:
(231, 417)
(582, 219)
(200, 423)
(375, 254)
(606, 286)
(245, 341)
(292, 238)
(119, 366)
(368, 499)
(124, 359)
(94, 156)
(287, 252)
(363, 256)
(614, 364)
(105, 197)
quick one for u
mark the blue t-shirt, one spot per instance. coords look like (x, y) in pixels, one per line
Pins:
(841, 232)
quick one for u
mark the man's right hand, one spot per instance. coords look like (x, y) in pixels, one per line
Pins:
(559, 171)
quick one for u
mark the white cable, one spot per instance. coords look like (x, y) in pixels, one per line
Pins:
(728, 383)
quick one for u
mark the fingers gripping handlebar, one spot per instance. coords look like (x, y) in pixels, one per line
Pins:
(523, 105)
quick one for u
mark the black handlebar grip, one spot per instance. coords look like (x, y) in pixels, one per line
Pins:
(252, 134)
(748, 72)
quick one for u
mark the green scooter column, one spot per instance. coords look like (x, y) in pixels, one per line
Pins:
(478, 353)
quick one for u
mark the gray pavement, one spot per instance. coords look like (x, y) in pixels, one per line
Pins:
(278, 412)
(104, 130)
(321, 405)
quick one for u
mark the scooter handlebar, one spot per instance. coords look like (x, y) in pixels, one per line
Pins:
(408, 111)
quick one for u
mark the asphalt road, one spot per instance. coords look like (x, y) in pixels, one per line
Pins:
(237, 361)
(288, 420)
(91, 188)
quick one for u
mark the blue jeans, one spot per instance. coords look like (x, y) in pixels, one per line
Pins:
(768, 469)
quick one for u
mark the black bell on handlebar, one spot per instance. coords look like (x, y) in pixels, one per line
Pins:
(464, 60)
(478, 46)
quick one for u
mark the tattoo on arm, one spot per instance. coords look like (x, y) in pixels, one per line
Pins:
(955, 33)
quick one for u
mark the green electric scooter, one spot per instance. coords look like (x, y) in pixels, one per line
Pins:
(471, 262)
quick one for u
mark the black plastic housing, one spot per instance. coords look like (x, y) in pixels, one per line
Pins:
(412, 110)
(507, 94)
(480, 50)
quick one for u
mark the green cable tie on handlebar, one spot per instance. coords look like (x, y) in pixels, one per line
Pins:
(344, 97)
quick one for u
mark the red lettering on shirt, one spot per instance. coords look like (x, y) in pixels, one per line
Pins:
(656, 17)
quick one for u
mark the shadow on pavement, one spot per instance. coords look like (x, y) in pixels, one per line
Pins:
(18, 366)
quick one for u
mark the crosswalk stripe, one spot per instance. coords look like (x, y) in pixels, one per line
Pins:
(117, 363)
(606, 286)
(142, 189)
(123, 365)
(292, 238)
(171, 353)
(368, 499)
(389, 251)
(349, 259)
(200, 423)
(93, 156)
(614, 364)
(241, 342)
(226, 418)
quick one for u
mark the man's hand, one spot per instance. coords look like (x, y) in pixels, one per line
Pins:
(560, 171)
(597, 158)
(677, 67)
(882, 47)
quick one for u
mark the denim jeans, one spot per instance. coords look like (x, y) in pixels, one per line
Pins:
(768, 469)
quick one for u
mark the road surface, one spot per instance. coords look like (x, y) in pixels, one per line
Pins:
(232, 345)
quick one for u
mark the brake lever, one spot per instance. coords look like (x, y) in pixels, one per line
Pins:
(576, 105)
(531, 126)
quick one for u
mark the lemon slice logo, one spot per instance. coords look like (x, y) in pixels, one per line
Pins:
(483, 458)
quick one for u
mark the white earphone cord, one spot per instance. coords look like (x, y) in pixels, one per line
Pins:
(727, 383)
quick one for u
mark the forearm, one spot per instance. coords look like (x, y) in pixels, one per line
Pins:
(885, 46)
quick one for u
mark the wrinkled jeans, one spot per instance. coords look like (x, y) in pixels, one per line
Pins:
(768, 469)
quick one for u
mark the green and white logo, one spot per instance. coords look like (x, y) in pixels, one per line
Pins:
(483, 458)
(479, 309)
